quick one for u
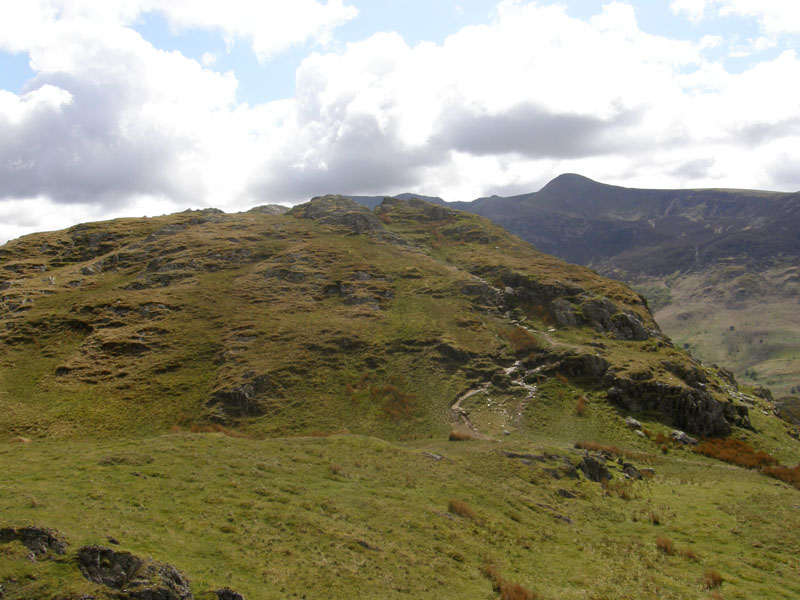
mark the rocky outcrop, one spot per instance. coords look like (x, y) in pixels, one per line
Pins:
(604, 315)
(240, 400)
(136, 578)
(594, 469)
(689, 409)
(39, 540)
(338, 210)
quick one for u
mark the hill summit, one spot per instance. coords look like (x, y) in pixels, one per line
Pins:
(282, 322)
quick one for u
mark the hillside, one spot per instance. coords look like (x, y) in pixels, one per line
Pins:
(719, 267)
(330, 402)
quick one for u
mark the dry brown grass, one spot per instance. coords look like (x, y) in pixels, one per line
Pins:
(521, 340)
(619, 487)
(459, 435)
(711, 579)
(665, 545)
(790, 475)
(508, 590)
(582, 406)
(736, 452)
(462, 509)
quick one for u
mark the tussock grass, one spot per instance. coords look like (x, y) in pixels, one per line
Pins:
(462, 509)
(711, 579)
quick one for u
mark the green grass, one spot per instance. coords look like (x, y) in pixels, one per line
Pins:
(346, 484)
(322, 517)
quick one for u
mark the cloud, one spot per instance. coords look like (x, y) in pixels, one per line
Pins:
(774, 16)
(107, 116)
(270, 26)
(111, 125)
(528, 130)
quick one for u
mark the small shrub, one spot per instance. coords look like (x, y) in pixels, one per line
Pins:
(662, 439)
(338, 470)
(514, 591)
(561, 377)
(711, 579)
(655, 518)
(462, 509)
(582, 406)
(736, 452)
(665, 545)
(457, 435)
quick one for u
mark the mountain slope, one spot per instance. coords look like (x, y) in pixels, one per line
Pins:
(711, 261)
(332, 402)
(243, 317)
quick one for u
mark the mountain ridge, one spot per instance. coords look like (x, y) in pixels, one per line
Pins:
(688, 251)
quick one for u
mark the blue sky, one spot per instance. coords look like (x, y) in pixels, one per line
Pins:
(138, 107)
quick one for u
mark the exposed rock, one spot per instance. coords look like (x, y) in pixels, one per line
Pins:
(593, 366)
(763, 393)
(565, 493)
(690, 374)
(269, 209)
(228, 594)
(38, 540)
(594, 469)
(681, 437)
(604, 315)
(338, 210)
(241, 400)
(135, 577)
(690, 409)
(632, 423)
(630, 471)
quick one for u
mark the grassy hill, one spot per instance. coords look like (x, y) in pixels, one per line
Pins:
(338, 403)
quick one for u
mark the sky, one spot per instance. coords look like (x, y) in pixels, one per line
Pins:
(113, 108)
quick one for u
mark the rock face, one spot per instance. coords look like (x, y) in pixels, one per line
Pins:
(594, 469)
(690, 409)
(338, 210)
(135, 577)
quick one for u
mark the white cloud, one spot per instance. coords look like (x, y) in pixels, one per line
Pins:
(112, 125)
(774, 16)
(270, 26)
